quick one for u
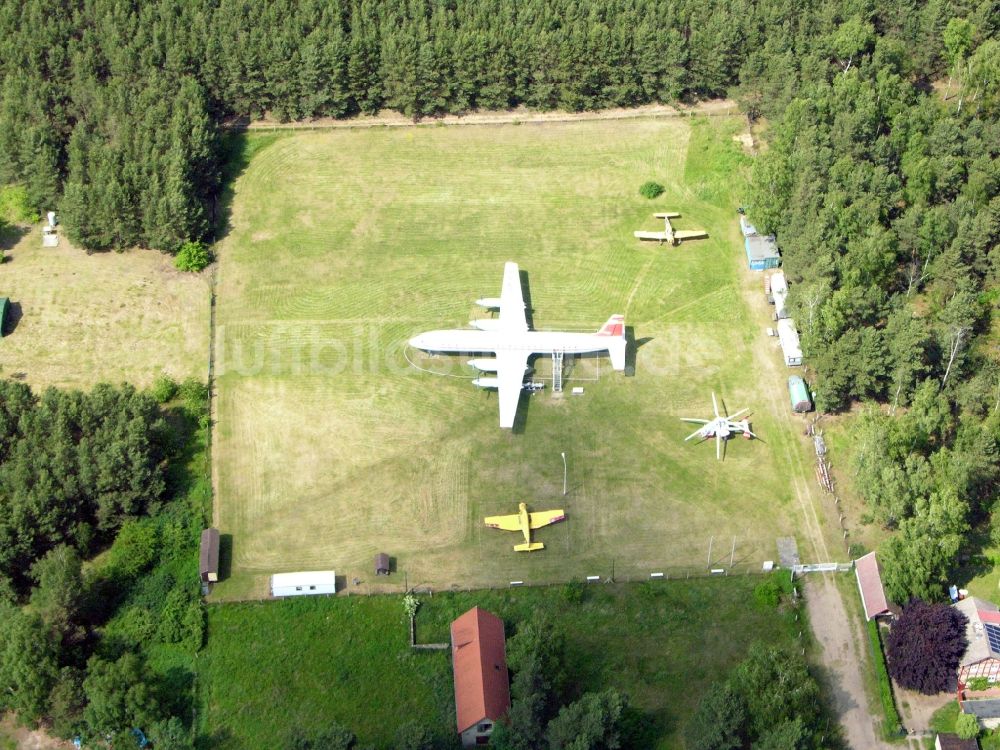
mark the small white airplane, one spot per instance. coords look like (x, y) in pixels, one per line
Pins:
(524, 522)
(721, 428)
(669, 234)
(508, 338)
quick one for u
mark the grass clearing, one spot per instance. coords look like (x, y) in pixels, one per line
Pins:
(79, 319)
(330, 447)
(270, 667)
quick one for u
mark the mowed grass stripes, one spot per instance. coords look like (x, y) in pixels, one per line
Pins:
(330, 446)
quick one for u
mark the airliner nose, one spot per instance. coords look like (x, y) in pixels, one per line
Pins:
(417, 341)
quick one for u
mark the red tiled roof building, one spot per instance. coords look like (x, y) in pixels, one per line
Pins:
(482, 685)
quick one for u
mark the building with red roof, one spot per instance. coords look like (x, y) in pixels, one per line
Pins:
(870, 584)
(482, 685)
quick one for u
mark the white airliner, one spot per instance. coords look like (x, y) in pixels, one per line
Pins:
(510, 340)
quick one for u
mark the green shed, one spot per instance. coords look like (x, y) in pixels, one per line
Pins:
(799, 394)
(3, 315)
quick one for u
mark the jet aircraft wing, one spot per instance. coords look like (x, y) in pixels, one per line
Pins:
(512, 316)
(510, 378)
(507, 523)
(545, 517)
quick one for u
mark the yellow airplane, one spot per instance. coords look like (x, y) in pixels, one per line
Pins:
(669, 234)
(524, 522)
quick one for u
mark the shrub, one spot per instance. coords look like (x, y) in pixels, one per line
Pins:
(193, 256)
(856, 550)
(573, 592)
(194, 394)
(15, 206)
(768, 593)
(966, 726)
(978, 683)
(164, 388)
(651, 190)
(134, 549)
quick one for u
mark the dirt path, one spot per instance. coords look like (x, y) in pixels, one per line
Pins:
(814, 547)
(841, 641)
(713, 107)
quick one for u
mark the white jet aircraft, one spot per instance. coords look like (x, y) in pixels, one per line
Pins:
(510, 340)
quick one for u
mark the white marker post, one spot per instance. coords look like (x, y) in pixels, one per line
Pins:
(565, 473)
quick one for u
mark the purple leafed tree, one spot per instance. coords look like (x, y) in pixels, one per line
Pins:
(925, 645)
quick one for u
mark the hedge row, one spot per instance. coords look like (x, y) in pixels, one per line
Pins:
(892, 727)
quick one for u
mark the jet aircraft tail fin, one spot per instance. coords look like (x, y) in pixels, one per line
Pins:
(614, 327)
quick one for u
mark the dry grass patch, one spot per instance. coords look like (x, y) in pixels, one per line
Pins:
(81, 319)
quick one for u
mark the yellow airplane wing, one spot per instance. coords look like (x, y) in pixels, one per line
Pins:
(507, 523)
(545, 517)
(661, 236)
(690, 234)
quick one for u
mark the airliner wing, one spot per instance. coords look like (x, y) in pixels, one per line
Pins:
(510, 377)
(512, 316)
(507, 523)
(661, 236)
(545, 517)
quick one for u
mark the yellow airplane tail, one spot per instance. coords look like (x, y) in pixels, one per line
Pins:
(529, 547)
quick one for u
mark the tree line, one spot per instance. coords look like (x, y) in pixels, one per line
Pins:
(882, 182)
(111, 110)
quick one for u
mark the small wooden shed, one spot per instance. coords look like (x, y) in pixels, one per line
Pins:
(382, 564)
(209, 562)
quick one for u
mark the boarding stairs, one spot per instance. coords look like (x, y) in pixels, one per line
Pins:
(557, 372)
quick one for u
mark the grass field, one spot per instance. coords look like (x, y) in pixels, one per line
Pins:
(330, 446)
(271, 667)
(79, 319)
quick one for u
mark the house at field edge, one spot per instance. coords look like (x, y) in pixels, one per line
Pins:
(954, 742)
(981, 660)
(479, 663)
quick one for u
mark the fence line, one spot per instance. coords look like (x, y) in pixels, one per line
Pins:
(599, 578)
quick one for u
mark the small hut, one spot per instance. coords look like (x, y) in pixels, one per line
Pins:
(382, 564)
(209, 563)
